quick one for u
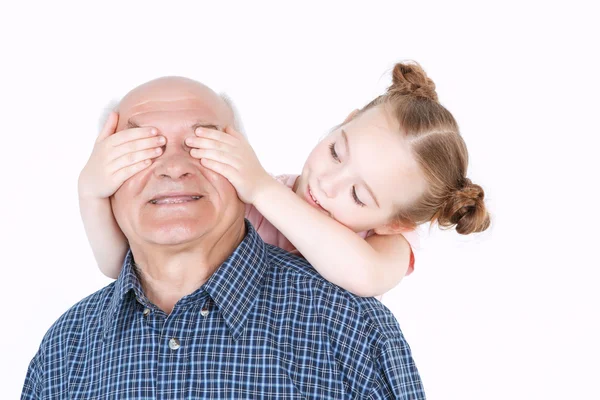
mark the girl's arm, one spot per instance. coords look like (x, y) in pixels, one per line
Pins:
(116, 157)
(108, 243)
(364, 267)
(368, 267)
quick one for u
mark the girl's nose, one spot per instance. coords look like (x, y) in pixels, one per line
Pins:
(328, 187)
(332, 182)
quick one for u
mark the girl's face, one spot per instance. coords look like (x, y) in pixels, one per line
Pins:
(362, 173)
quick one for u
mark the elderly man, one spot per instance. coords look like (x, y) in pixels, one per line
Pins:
(203, 308)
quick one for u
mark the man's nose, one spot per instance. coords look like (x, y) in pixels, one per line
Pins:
(175, 165)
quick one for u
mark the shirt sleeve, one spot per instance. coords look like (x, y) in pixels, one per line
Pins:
(32, 389)
(398, 370)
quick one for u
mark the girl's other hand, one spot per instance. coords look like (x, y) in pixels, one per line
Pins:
(230, 155)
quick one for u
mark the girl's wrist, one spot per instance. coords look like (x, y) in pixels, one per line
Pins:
(87, 196)
(83, 189)
(92, 201)
(265, 189)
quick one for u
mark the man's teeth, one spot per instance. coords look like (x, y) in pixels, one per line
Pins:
(175, 200)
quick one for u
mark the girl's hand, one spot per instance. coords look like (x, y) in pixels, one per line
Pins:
(229, 154)
(116, 157)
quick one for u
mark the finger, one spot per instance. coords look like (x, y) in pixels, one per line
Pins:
(222, 169)
(128, 135)
(133, 158)
(203, 143)
(110, 125)
(137, 145)
(231, 131)
(216, 155)
(125, 173)
(216, 135)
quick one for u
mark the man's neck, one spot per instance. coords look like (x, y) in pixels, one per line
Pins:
(168, 273)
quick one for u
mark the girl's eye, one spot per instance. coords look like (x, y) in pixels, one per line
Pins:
(356, 200)
(333, 152)
(353, 190)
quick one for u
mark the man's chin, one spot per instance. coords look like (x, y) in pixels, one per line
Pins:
(174, 234)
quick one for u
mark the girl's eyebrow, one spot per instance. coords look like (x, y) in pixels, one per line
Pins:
(366, 184)
(372, 194)
(346, 142)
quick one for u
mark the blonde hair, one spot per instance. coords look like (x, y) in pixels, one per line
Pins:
(450, 199)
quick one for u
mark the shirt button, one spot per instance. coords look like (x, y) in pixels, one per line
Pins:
(204, 312)
(146, 312)
(174, 344)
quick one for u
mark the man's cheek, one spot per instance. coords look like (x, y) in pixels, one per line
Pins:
(136, 184)
(215, 179)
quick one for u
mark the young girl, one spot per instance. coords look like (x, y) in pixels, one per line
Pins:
(390, 166)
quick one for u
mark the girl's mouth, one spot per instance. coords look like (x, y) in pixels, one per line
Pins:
(312, 200)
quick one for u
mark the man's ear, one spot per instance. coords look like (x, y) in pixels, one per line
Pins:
(391, 228)
(351, 116)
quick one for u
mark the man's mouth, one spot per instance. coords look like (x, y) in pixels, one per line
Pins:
(174, 199)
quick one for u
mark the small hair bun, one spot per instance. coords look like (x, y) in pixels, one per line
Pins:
(466, 209)
(410, 79)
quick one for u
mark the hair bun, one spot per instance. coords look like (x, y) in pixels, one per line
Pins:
(411, 79)
(466, 209)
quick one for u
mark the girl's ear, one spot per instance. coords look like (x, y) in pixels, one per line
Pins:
(351, 116)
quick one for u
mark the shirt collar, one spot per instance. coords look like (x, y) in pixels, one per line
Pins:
(234, 286)
(126, 282)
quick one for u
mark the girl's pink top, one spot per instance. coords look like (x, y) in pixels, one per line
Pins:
(271, 235)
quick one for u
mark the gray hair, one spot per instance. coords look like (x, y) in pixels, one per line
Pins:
(237, 120)
(113, 105)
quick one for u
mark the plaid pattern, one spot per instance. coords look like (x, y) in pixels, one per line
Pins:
(265, 325)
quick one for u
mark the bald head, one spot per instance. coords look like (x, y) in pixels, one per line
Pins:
(173, 93)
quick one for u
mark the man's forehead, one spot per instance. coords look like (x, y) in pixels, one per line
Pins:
(187, 110)
(158, 106)
(171, 94)
(173, 118)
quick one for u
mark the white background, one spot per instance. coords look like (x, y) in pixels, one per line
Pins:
(508, 314)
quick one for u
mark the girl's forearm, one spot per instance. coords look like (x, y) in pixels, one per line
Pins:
(335, 251)
(108, 243)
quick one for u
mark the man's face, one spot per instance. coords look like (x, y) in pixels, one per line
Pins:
(176, 200)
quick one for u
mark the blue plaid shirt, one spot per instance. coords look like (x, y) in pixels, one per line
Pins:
(265, 325)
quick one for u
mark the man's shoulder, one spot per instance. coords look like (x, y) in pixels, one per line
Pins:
(83, 315)
(362, 334)
(327, 297)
